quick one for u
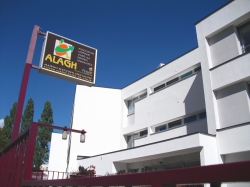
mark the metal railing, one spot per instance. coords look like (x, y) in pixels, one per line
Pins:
(16, 160)
(213, 174)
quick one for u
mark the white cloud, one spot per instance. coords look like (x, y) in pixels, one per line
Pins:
(1, 122)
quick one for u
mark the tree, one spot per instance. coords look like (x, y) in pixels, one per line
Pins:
(9, 122)
(3, 139)
(28, 115)
(44, 136)
(6, 131)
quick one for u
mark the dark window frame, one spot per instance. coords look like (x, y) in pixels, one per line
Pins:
(175, 123)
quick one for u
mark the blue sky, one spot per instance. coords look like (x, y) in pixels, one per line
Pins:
(132, 38)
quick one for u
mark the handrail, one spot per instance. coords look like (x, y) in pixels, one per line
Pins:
(229, 172)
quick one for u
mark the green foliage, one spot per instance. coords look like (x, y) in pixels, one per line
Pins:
(44, 136)
(3, 139)
(9, 122)
(28, 115)
(6, 131)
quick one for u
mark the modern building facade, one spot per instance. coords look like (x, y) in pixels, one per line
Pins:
(192, 111)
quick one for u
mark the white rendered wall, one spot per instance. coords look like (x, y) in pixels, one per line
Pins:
(168, 104)
(112, 162)
(233, 106)
(58, 153)
(234, 140)
(158, 76)
(233, 14)
(223, 46)
(183, 98)
(231, 72)
(98, 111)
(198, 126)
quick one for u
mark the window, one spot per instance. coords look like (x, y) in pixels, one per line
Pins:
(136, 136)
(174, 123)
(202, 115)
(144, 95)
(197, 69)
(131, 105)
(159, 87)
(144, 133)
(172, 81)
(244, 32)
(190, 119)
(160, 128)
(186, 74)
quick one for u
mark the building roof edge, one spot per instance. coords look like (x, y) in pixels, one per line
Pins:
(230, 1)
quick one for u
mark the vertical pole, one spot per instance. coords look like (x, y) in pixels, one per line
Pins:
(29, 156)
(24, 83)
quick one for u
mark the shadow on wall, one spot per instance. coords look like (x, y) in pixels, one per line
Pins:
(195, 102)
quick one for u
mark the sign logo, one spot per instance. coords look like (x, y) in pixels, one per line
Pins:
(63, 49)
(64, 58)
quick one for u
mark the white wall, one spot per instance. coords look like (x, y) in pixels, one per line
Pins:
(204, 144)
(169, 70)
(97, 110)
(234, 140)
(58, 153)
(231, 15)
(223, 46)
(180, 99)
(232, 72)
(198, 126)
(233, 108)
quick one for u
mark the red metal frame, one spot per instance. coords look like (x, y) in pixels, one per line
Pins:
(61, 128)
(28, 162)
(24, 83)
(16, 159)
(229, 172)
(11, 161)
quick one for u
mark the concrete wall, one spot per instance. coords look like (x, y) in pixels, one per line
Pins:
(181, 99)
(58, 154)
(233, 106)
(234, 140)
(111, 162)
(179, 65)
(198, 126)
(230, 73)
(223, 46)
(233, 14)
(98, 111)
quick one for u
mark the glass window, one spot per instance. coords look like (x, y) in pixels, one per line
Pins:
(160, 128)
(202, 115)
(244, 32)
(197, 69)
(144, 133)
(172, 81)
(174, 123)
(190, 119)
(143, 95)
(186, 74)
(130, 106)
(159, 87)
(136, 136)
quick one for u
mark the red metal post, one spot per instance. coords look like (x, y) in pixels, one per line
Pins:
(31, 144)
(24, 83)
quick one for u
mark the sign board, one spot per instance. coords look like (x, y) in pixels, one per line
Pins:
(67, 59)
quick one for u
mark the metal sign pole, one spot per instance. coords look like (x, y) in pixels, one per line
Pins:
(24, 83)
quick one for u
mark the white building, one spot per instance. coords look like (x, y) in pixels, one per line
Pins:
(192, 111)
